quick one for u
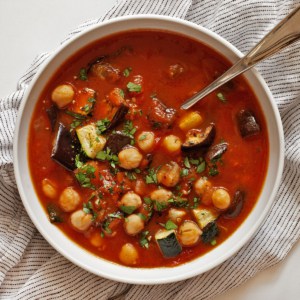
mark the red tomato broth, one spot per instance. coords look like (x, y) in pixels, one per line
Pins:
(245, 162)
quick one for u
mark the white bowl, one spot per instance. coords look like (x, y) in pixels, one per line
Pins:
(102, 267)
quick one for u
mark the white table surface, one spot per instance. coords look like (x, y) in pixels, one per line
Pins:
(30, 27)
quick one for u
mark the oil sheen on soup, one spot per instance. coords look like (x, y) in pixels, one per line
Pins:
(128, 175)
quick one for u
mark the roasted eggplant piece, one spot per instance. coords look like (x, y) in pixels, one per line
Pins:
(52, 115)
(168, 243)
(118, 117)
(105, 71)
(117, 141)
(247, 123)
(197, 139)
(159, 115)
(216, 151)
(91, 142)
(54, 213)
(236, 206)
(210, 232)
(204, 216)
(65, 148)
(97, 60)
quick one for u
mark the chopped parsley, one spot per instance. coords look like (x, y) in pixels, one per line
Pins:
(160, 206)
(83, 74)
(127, 209)
(169, 225)
(186, 162)
(148, 201)
(201, 167)
(129, 129)
(213, 170)
(142, 216)
(130, 175)
(89, 209)
(142, 137)
(144, 242)
(106, 155)
(221, 97)
(184, 172)
(133, 87)
(151, 177)
(178, 202)
(102, 125)
(127, 71)
(85, 173)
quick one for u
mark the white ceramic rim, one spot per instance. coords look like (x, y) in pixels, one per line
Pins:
(104, 268)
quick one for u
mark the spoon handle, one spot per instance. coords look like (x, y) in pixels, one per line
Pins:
(284, 34)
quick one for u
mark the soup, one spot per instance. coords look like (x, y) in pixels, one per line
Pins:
(128, 175)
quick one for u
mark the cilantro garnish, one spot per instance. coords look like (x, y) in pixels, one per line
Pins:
(85, 173)
(102, 125)
(127, 209)
(221, 97)
(127, 71)
(144, 242)
(133, 87)
(83, 74)
(108, 156)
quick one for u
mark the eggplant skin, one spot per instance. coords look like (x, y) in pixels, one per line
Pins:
(169, 245)
(237, 205)
(118, 117)
(66, 147)
(52, 112)
(247, 123)
(117, 141)
(197, 140)
(216, 151)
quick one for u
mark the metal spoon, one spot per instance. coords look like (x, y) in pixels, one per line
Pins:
(284, 34)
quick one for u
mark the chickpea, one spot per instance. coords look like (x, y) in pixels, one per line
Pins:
(130, 158)
(131, 199)
(80, 220)
(133, 224)
(189, 233)
(146, 140)
(169, 174)
(69, 199)
(128, 254)
(160, 198)
(172, 143)
(201, 185)
(191, 120)
(221, 198)
(62, 95)
(176, 215)
(49, 189)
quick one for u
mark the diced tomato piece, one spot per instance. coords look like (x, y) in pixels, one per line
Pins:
(83, 102)
(116, 97)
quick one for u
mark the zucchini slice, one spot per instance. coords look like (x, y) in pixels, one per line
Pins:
(204, 216)
(90, 141)
(168, 243)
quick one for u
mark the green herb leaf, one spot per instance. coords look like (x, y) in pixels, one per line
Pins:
(144, 242)
(170, 225)
(85, 173)
(132, 87)
(213, 171)
(142, 216)
(201, 167)
(102, 125)
(186, 162)
(151, 177)
(148, 201)
(184, 172)
(160, 206)
(75, 115)
(106, 155)
(129, 129)
(83, 74)
(127, 209)
(221, 97)
(127, 71)
(142, 137)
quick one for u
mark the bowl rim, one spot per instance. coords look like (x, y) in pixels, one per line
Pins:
(125, 277)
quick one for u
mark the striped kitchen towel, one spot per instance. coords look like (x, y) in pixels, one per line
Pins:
(31, 269)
